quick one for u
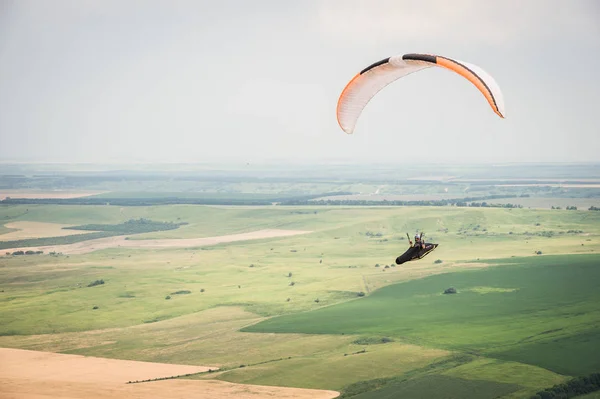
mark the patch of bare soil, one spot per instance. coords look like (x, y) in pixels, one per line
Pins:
(34, 375)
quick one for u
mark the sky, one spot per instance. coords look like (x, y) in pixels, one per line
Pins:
(258, 81)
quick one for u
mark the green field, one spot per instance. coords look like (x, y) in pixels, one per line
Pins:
(542, 311)
(520, 322)
(432, 385)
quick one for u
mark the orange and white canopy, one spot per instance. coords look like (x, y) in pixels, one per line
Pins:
(368, 82)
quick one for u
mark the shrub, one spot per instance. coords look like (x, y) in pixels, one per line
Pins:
(361, 294)
(168, 297)
(97, 282)
(182, 292)
(438, 261)
(450, 290)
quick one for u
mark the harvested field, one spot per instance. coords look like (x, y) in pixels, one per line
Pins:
(33, 375)
(24, 229)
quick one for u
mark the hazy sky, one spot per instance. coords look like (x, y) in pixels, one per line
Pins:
(196, 81)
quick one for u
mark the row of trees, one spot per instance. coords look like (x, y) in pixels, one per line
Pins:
(467, 201)
(574, 208)
(132, 226)
(402, 203)
(267, 200)
(25, 253)
(572, 388)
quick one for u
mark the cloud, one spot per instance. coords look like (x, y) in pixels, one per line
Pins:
(477, 22)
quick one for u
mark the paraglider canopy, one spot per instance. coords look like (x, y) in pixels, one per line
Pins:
(368, 82)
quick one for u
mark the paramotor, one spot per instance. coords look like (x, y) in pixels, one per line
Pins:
(417, 251)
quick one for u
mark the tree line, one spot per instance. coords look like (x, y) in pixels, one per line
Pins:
(460, 202)
(165, 200)
(572, 388)
(132, 226)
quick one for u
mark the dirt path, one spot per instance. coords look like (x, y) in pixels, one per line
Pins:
(35, 375)
(120, 241)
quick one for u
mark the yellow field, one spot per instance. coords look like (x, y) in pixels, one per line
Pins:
(34, 375)
(24, 229)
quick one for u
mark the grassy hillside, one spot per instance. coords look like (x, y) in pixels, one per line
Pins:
(540, 310)
(524, 323)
